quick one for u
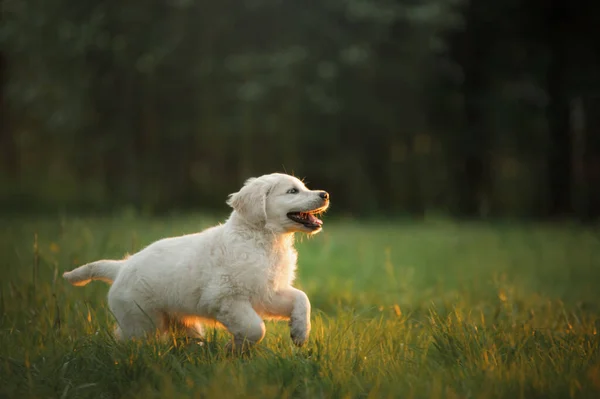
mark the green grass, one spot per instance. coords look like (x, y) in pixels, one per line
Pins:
(401, 310)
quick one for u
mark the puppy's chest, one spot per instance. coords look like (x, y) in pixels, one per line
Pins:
(281, 268)
(262, 274)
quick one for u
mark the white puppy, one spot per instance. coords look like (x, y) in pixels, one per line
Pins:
(233, 275)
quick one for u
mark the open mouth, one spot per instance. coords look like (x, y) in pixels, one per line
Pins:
(308, 219)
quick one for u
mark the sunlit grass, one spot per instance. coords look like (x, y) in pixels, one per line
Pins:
(399, 310)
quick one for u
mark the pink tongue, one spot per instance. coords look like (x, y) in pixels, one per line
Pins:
(314, 220)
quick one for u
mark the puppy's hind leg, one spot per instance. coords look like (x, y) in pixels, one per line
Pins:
(133, 320)
(194, 329)
(189, 327)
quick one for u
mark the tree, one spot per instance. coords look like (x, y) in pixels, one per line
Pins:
(7, 140)
(558, 29)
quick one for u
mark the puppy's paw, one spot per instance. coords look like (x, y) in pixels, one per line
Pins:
(299, 333)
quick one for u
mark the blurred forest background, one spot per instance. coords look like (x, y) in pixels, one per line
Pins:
(466, 107)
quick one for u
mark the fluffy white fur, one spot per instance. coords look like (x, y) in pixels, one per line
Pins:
(233, 275)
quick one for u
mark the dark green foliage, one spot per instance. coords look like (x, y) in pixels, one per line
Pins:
(473, 107)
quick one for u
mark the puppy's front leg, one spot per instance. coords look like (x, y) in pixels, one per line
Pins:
(292, 304)
(242, 321)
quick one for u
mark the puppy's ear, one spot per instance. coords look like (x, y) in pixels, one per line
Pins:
(251, 200)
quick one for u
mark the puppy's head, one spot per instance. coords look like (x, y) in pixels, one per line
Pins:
(280, 203)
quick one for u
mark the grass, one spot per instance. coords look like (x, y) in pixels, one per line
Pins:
(432, 310)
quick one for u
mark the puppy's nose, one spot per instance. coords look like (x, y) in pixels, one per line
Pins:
(324, 195)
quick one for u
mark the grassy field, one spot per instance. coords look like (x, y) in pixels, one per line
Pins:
(431, 310)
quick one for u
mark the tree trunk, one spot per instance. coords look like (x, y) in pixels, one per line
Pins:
(473, 152)
(559, 156)
(8, 145)
(591, 160)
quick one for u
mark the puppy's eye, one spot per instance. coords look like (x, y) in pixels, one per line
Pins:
(292, 191)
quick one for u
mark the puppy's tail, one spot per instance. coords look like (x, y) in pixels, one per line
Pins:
(103, 270)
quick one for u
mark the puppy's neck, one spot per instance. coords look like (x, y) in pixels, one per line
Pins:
(238, 222)
(260, 231)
